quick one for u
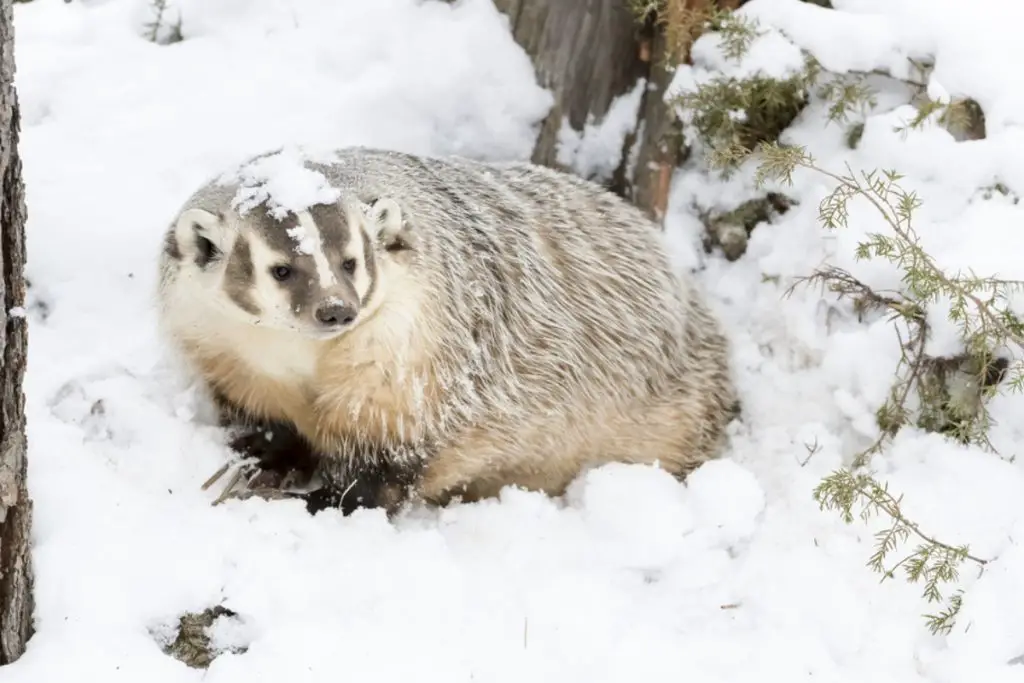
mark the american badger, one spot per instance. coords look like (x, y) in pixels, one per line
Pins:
(435, 328)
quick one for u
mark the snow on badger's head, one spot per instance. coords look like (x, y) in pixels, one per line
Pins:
(285, 250)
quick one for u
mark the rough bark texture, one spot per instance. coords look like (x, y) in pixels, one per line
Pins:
(585, 51)
(16, 605)
(660, 145)
(588, 53)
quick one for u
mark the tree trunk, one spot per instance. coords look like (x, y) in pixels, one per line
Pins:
(585, 51)
(589, 53)
(16, 604)
(660, 146)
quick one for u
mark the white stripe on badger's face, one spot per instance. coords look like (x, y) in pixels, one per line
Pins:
(355, 250)
(311, 242)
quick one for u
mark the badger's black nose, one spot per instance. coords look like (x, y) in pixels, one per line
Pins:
(336, 313)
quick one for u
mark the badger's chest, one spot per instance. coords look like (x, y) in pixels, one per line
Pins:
(373, 393)
(266, 374)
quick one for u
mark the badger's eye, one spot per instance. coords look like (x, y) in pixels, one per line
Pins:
(281, 272)
(349, 265)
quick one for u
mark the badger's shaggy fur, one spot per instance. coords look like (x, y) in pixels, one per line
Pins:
(514, 325)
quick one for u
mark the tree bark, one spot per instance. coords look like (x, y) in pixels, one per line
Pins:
(585, 51)
(659, 148)
(16, 574)
(589, 53)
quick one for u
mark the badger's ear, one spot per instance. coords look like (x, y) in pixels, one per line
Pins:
(389, 225)
(202, 236)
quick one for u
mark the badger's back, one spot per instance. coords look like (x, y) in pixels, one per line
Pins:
(555, 292)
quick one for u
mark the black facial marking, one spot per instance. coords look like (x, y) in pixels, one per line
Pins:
(336, 235)
(275, 233)
(238, 277)
(334, 229)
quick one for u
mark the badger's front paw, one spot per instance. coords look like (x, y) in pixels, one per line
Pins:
(276, 448)
(359, 494)
(248, 481)
(386, 485)
(276, 460)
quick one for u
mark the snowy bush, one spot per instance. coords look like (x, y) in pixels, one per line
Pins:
(747, 84)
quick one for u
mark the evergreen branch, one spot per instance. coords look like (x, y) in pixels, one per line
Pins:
(842, 489)
(943, 622)
(736, 119)
(932, 562)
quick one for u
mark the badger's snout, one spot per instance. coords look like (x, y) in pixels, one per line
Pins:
(334, 313)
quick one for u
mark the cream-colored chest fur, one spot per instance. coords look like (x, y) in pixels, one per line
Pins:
(378, 381)
(268, 373)
(374, 382)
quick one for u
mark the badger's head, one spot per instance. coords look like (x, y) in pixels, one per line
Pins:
(315, 273)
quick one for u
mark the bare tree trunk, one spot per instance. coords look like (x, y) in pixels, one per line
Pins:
(659, 148)
(16, 603)
(589, 53)
(585, 51)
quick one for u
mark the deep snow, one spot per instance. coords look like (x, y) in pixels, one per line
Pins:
(734, 576)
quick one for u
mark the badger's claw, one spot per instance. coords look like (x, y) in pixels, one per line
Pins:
(316, 500)
(264, 493)
(274, 460)
(249, 479)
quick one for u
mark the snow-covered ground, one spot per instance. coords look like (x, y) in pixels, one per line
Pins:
(735, 576)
